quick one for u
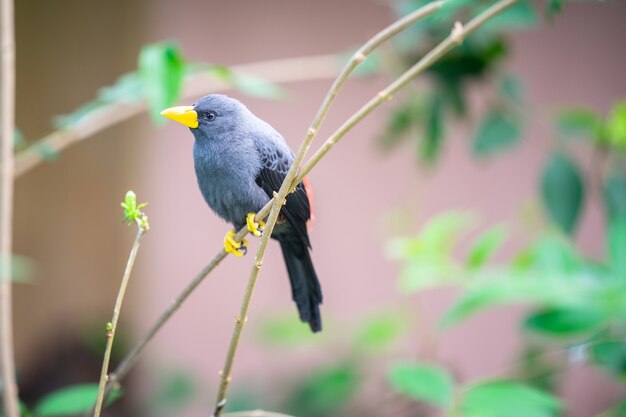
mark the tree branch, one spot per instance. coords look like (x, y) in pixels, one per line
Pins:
(459, 32)
(7, 359)
(132, 356)
(279, 198)
(112, 325)
(277, 70)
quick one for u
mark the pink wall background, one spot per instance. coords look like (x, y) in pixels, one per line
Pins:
(579, 59)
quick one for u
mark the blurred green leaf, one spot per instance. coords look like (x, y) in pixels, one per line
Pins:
(552, 253)
(423, 382)
(429, 254)
(161, 68)
(580, 122)
(128, 88)
(23, 409)
(554, 7)
(22, 269)
(46, 151)
(174, 389)
(249, 84)
(485, 246)
(496, 132)
(511, 87)
(559, 322)
(611, 355)
(615, 195)
(520, 15)
(507, 399)
(438, 236)
(71, 400)
(381, 330)
(19, 142)
(400, 120)
(506, 288)
(283, 329)
(323, 392)
(617, 245)
(562, 190)
(430, 147)
(616, 126)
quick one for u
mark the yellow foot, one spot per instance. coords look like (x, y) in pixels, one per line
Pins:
(234, 247)
(254, 227)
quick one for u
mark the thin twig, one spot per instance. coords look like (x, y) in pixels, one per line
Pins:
(112, 325)
(279, 198)
(277, 70)
(132, 356)
(459, 32)
(7, 119)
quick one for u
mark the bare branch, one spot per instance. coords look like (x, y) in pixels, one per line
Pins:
(7, 359)
(132, 356)
(111, 327)
(277, 70)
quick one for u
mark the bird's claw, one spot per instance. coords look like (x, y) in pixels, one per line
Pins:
(253, 227)
(232, 246)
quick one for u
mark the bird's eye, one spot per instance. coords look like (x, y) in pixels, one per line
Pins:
(210, 116)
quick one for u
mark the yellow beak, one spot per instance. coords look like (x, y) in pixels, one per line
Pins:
(185, 115)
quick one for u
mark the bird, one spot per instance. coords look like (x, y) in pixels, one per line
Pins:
(240, 162)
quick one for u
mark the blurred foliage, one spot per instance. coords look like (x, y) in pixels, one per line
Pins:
(423, 382)
(426, 109)
(70, 401)
(577, 305)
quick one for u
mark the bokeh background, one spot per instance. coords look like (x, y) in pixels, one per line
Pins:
(68, 217)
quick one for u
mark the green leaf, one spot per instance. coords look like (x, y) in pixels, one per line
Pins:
(507, 399)
(559, 322)
(520, 15)
(553, 254)
(580, 122)
(251, 85)
(554, 7)
(485, 246)
(284, 330)
(615, 195)
(562, 191)
(72, 400)
(424, 382)
(511, 87)
(399, 122)
(161, 68)
(617, 245)
(430, 147)
(496, 132)
(381, 330)
(616, 126)
(128, 88)
(610, 355)
(173, 390)
(325, 390)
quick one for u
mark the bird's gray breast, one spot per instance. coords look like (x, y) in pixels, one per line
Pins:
(226, 177)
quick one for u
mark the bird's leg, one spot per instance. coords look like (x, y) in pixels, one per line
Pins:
(234, 247)
(254, 227)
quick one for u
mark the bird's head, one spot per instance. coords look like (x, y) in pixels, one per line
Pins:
(210, 116)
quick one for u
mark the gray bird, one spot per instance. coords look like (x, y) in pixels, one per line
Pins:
(240, 161)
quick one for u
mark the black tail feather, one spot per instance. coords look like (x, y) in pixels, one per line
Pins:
(305, 287)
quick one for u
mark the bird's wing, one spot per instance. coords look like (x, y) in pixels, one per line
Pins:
(275, 163)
